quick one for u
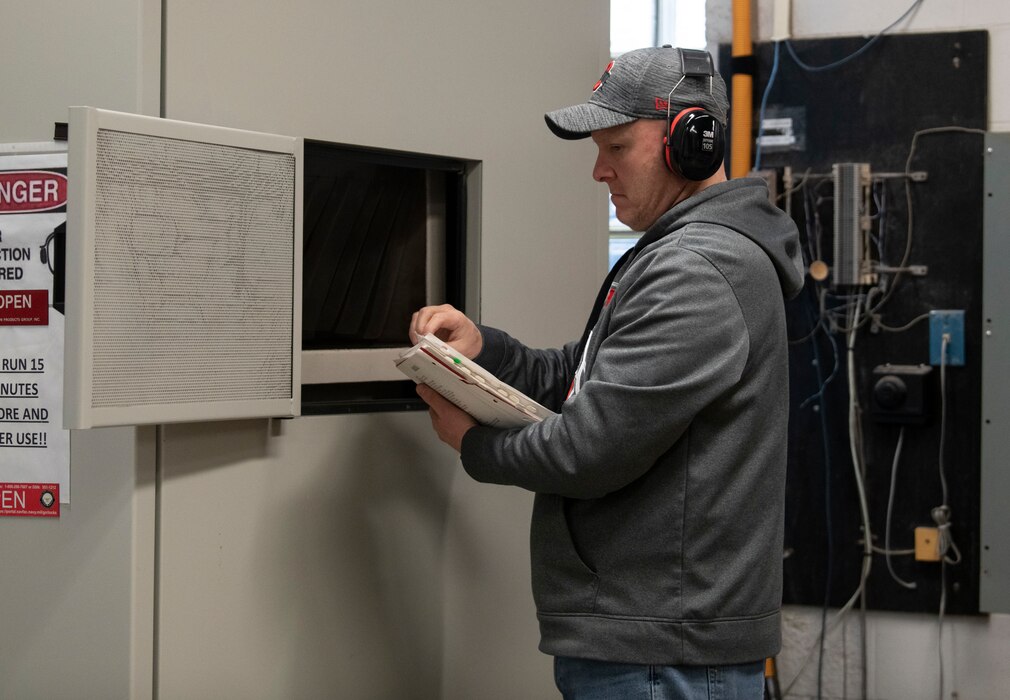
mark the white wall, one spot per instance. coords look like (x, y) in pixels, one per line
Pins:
(903, 650)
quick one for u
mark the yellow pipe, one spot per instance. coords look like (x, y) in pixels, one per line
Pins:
(742, 109)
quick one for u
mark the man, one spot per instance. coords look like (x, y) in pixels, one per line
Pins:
(656, 535)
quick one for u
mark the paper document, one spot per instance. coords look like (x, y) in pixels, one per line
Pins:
(468, 385)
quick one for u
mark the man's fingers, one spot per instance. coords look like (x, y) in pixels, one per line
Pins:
(431, 397)
(436, 320)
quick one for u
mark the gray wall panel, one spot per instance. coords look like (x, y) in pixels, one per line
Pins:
(994, 582)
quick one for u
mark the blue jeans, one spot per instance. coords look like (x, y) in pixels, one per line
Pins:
(584, 679)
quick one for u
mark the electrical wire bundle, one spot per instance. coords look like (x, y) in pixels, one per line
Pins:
(841, 313)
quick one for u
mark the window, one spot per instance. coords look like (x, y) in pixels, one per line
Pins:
(638, 23)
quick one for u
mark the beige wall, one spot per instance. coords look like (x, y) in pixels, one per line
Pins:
(350, 556)
(57, 53)
(77, 594)
(343, 556)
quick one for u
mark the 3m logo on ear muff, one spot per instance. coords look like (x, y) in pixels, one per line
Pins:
(695, 145)
(603, 78)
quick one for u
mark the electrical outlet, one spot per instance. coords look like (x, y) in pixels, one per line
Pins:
(951, 324)
(927, 544)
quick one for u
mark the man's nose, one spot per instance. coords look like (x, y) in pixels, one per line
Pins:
(602, 172)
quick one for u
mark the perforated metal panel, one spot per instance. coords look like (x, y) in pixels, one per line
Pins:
(186, 270)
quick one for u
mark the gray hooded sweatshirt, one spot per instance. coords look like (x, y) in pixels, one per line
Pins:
(657, 525)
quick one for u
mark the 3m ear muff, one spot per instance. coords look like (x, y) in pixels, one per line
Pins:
(695, 144)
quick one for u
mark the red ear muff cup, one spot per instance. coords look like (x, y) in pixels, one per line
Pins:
(695, 145)
(671, 130)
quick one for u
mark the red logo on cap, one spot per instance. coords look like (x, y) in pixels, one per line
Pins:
(603, 78)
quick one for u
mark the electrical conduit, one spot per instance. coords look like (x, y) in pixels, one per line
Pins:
(741, 112)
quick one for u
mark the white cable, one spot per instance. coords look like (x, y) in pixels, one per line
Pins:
(856, 445)
(890, 505)
(857, 462)
(864, 508)
(908, 200)
(943, 510)
(941, 513)
(894, 552)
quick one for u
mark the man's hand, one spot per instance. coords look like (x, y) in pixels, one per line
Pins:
(449, 421)
(449, 325)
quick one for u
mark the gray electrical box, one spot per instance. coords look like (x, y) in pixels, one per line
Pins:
(994, 526)
(852, 185)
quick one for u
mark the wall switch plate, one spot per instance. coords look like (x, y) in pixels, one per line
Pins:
(950, 323)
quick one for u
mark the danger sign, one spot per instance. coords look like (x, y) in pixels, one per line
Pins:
(34, 449)
(32, 190)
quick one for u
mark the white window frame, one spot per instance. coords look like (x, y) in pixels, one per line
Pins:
(674, 22)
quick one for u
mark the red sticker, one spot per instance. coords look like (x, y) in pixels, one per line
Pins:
(24, 307)
(30, 500)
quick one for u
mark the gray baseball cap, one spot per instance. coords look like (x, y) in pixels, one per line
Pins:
(637, 85)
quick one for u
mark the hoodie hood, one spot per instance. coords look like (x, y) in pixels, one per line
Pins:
(748, 212)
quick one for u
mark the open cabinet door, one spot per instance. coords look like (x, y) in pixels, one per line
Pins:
(184, 251)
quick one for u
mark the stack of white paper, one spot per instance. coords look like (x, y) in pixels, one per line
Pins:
(468, 385)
